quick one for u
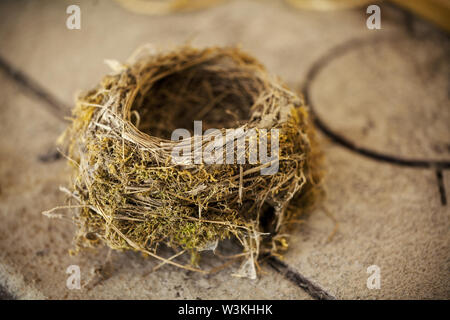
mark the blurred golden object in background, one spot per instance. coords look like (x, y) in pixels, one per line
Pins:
(161, 7)
(437, 11)
(326, 5)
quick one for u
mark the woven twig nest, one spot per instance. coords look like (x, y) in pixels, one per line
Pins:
(131, 195)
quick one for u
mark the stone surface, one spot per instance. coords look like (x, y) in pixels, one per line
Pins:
(388, 216)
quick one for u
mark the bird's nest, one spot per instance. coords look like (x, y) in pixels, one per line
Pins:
(131, 194)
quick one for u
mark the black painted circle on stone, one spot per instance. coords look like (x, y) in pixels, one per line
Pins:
(342, 51)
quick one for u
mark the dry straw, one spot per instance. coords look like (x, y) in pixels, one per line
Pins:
(130, 195)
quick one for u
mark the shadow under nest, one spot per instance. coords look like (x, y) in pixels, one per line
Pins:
(129, 193)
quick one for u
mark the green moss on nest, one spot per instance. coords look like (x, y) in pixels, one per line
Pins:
(131, 196)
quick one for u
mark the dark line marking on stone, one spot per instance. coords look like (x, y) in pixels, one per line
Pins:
(56, 107)
(5, 295)
(441, 186)
(318, 66)
(292, 275)
(51, 156)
